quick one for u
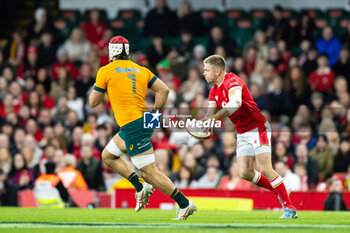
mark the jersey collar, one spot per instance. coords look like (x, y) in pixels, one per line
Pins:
(222, 80)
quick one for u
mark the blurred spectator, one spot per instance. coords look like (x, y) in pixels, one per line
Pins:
(94, 61)
(102, 46)
(87, 140)
(345, 38)
(15, 49)
(8, 191)
(324, 157)
(34, 104)
(291, 180)
(279, 99)
(102, 138)
(329, 45)
(2, 60)
(190, 162)
(95, 27)
(268, 74)
(43, 79)
(199, 53)
(347, 179)
(310, 164)
(160, 21)
(63, 63)
(210, 179)
(40, 24)
(186, 47)
(189, 20)
(30, 65)
(305, 28)
(250, 59)
(184, 178)
(276, 60)
(297, 87)
(60, 111)
(33, 129)
(72, 121)
(69, 176)
(305, 46)
(259, 42)
(311, 62)
(75, 103)
(91, 124)
(77, 47)
(301, 172)
(157, 51)
(165, 74)
(102, 115)
(335, 200)
(280, 154)
(47, 49)
(277, 27)
(304, 135)
(91, 169)
(84, 81)
(50, 179)
(342, 66)
(233, 181)
(322, 79)
(342, 158)
(5, 160)
(193, 86)
(239, 68)
(257, 74)
(20, 175)
(218, 38)
(75, 141)
(260, 99)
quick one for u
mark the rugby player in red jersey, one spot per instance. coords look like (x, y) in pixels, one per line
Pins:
(232, 96)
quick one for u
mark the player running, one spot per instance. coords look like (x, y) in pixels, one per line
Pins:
(126, 84)
(232, 96)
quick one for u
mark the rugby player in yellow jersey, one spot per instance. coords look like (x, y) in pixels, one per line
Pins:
(126, 84)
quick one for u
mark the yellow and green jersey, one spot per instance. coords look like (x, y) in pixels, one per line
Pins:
(126, 84)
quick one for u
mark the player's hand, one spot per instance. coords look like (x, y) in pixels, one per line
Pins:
(204, 128)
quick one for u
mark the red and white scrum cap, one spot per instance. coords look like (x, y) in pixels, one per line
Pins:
(116, 46)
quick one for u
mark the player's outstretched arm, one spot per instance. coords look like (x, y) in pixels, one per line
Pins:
(95, 98)
(162, 91)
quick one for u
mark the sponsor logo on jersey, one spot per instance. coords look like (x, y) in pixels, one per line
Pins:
(131, 147)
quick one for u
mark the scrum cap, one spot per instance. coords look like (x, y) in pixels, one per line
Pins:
(117, 45)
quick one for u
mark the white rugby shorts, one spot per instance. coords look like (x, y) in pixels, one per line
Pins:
(255, 141)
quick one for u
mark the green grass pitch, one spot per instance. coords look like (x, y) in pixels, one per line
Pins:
(74, 220)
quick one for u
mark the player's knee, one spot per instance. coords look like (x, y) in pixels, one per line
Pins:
(148, 171)
(106, 157)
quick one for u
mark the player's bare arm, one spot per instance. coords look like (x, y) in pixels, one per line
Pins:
(235, 97)
(162, 91)
(95, 98)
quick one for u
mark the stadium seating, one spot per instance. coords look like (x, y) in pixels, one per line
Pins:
(213, 18)
(259, 16)
(242, 33)
(63, 28)
(71, 15)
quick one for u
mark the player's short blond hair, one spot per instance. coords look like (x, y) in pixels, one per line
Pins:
(217, 61)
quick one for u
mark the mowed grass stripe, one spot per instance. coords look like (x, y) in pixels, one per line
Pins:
(282, 225)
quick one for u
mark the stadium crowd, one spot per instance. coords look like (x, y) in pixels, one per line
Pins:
(46, 121)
